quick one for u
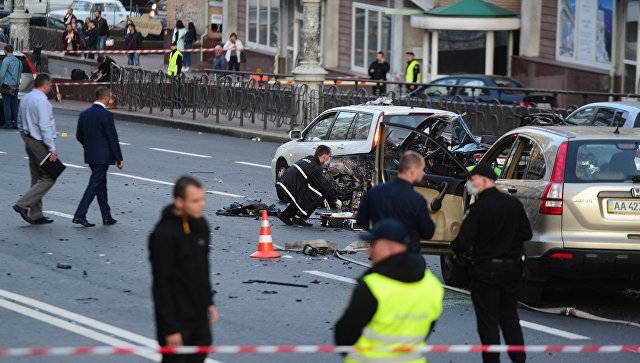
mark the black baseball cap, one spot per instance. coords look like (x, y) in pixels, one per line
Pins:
(485, 170)
(389, 229)
(174, 43)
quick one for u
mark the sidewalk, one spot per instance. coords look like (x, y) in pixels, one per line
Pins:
(163, 118)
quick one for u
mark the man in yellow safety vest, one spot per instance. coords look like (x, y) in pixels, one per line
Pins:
(395, 305)
(412, 75)
(175, 62)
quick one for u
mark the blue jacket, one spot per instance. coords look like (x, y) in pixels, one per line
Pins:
(10, 71)
(97, 133)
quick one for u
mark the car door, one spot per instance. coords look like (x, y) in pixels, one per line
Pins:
(470, 94)
(317, 132)
(442, 185)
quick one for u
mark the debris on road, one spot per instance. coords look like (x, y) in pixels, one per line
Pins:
(248, 209)
(274, 283)
(327, 246)
(64, 266)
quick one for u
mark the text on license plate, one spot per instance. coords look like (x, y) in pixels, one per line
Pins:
(544, 105)
(618, 206)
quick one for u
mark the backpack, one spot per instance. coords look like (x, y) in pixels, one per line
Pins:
(78, 75)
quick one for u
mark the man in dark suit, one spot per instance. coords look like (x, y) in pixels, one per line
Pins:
(97, 134)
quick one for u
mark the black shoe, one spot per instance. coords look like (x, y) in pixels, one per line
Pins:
(23, 212)
(301, 222)
(43, 220)
(285, 220)
(83, 222)
(109, 221)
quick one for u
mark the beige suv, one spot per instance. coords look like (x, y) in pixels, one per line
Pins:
(580, 187)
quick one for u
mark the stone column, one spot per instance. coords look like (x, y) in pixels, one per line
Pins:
(488, 54)
(20, 27)
(309, 72)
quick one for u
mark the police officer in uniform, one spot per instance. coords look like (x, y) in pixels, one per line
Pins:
(396, 303)
(412, 74)
(491, 235)
(174, 68)
(304, 187)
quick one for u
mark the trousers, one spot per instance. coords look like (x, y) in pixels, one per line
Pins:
(41, 183)
(193, 335)
(97, 188)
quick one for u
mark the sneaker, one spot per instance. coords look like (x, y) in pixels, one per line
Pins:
(301, 222)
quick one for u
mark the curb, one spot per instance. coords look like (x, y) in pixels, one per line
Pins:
(193, 126)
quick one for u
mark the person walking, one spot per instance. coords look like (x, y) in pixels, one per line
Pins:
(179, 33)
(304, 187)
(219, 61)
(174, 68)
(396, 302)
(234, 49)
(102, 29)
(91, 39)
(133, 41)
(10, 74)
(491, 236)
(412, 74)
(378, 71)
(189, 39)
(398, 200)
(97, 134)
(179, 255)
(38, 129)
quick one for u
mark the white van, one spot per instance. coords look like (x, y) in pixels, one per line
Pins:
(112, 10)
(42, 7)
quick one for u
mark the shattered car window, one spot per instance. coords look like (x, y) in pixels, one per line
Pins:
(397, 136)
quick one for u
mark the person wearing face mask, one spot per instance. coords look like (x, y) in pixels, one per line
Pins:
(398, 200)
(304, 187)
(491, 236)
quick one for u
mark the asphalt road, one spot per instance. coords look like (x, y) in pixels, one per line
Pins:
(105, 297)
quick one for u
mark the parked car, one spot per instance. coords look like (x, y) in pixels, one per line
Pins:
(112, 10)
(625, 114)
(580, 187)
(42, 7)
(442, 89)
(36, 20)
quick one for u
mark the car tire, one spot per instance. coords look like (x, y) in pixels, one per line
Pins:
(452, 273)
(531, 292)
(281, 167)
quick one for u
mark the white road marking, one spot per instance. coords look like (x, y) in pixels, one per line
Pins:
(74, 166)
(59, 214)
(225, 194)
(252, 164)
(180, 153)
(124, 143)
(2, 152)
(81, 319)
(526, 324)
(172, 184)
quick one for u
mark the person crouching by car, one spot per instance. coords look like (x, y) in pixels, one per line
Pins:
(305, 188)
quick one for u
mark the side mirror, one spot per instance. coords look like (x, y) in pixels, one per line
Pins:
(295, 135)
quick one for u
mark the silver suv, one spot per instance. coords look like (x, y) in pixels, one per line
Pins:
(581, 189)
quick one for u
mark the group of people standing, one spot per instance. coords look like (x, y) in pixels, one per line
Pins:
(92, 35)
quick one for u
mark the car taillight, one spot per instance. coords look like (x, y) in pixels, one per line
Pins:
(525, 104)
(477, 157)
(562, 256)
(553, 193)
(376, 134)
(32, 69)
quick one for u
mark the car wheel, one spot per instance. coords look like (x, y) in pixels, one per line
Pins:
(452, 273)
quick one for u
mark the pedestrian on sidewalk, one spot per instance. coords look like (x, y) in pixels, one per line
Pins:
(234, 49)
(38, 129)
(398, 200)
(10, 74)
(305, 188)
(97, 134)
(102, 28)
(396, 302)
(91, 39)
(189, 39)
(82, 44)
(125, 31)
(219, 62)
(179, 255)
(412, 74)
(179, 34)
(174, 68)
(378, 71)
(133, 41)
(70, 39)
(491, 237)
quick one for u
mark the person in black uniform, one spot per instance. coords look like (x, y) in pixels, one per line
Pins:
(378, 71)
(179, 255)
(491, 235)
(304, 187)
(398, 200)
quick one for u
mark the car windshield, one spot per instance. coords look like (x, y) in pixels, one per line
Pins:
(596, 161)
(80, 6)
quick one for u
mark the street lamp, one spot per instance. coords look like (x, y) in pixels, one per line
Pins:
(19, 30)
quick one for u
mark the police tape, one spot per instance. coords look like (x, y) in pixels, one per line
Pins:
(271, 349)
(140, 51)
(81, 83)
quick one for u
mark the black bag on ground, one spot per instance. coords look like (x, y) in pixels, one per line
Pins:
(78, 75)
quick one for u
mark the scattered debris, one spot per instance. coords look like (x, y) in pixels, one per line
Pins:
(269, 292)
(84, 273)
(329, 246)
(273, 283)
(87, 300)
(248, 209)
(257, 139)
(316, 281)
(64, 266)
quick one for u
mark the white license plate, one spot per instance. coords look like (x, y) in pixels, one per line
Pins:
(544, 105)
(621, 206)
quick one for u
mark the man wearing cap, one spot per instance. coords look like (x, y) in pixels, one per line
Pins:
(412, 75)
(396, 303)
(491, 236)
(174, 68)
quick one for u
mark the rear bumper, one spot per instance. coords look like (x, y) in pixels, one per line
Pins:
(586, 264)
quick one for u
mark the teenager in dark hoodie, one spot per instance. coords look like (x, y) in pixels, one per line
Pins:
(179, 255)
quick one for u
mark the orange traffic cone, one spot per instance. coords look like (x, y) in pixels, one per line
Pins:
(265, 243)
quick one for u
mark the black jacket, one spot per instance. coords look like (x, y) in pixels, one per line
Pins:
(305, 185)
(363, 304)
(179, 258)
(495, 226)
(97, 133)
(133, 41)
(397, 200)
(92, 38)
(102, 27)
(379, 70)
(105, 69)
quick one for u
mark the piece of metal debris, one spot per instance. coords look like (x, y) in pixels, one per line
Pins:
(273, 283)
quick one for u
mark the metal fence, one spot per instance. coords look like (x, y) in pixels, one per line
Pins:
(278, 106)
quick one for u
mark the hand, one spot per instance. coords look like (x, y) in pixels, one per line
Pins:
(174, 340)
(338, 204)
(326, 204)
(120, 165)
(213, 315)
(53, 157)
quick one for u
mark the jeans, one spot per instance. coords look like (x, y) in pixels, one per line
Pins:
(187, 55)
(101, 42)
(10, 108)
(90, 55)
(133, 59)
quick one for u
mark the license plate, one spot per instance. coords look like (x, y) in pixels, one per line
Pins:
(544, 105)
(619, 206)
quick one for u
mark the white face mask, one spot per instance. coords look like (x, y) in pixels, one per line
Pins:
(471, 189)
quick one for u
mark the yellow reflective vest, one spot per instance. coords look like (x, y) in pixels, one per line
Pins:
(403, 318)
(172, 69)
(411, 69)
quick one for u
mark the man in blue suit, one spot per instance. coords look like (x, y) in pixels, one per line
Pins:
(97, 134)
